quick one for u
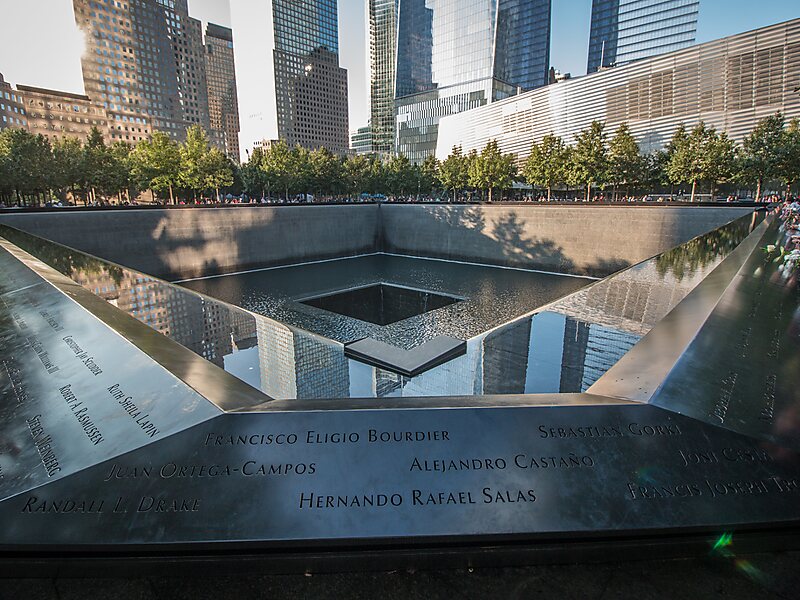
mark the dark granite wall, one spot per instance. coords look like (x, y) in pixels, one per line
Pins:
(585, 240)
(195, 242)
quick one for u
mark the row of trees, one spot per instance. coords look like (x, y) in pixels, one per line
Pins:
(700, 156)
(33, 169)
(284, 171)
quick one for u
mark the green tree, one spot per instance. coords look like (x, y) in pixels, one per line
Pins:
(453, 173)
(194, 157)
(217, 171)
(356, 174)
(326, 172)
(5, 173)
(762, 151)
(626, 164)
(546, 164)
(700, 155)
(278, 164)
(28, 163)
(96, 164)
(719, 160)
(789, 168)
(378, 177)
(589, 163)
(399, 175)
(492, 169)
(300, 174)
(654, 168)
(684, 163)
(427, 175)
(156, 163)
(254, 177)
(119, 176)
(67, 173)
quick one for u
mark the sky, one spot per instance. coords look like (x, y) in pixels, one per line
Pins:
(45, 50)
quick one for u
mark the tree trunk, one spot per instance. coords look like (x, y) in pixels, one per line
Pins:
(694, 187)
(490, 194)
(171, 197)
(286, 195)
(454, 195)
(588, 190)
(548, 193)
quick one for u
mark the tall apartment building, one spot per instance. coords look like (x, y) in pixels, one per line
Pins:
(12, 111)
(626, 30)
(144, 63)
(310, 86)
(62, 114)
(455, 55)
(223, 101)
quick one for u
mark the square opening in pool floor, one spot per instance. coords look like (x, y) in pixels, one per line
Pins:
(381, 304)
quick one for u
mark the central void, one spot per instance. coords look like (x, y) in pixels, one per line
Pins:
(381, 304)
(401, 301)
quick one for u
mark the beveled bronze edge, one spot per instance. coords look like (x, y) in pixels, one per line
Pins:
(639, 374)
(220, 388)
(439, 402)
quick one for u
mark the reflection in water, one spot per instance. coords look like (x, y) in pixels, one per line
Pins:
(564, 348)
(349, 299)
(740, 371)
(637, 298)
(695, 255)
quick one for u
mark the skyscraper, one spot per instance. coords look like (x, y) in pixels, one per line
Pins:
(626, 30)
(382, 53)
(223, 102)
(144, 64)
(453, 55)
(310, 86)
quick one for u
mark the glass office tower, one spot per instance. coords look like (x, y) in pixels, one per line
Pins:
(729, 84)
(453, 55)
(223, 100)
(382, 47)
(626, 30)
(310, 86)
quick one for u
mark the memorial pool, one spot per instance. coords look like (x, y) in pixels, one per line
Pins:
(354, 412)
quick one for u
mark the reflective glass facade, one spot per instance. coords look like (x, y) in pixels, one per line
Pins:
(626, 30)
(454, 55)
(223, 100)
(522, 43)
(310, 87)
(729, 84)
(383, 37)
(418, 116)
